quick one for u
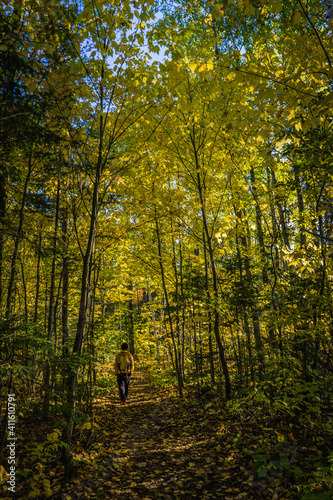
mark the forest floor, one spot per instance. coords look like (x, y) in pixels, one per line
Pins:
(159, 446)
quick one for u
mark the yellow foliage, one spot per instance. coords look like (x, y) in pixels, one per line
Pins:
(3, 474)
(218, 11)
(277, 7)
(250, 10)
(295, 18)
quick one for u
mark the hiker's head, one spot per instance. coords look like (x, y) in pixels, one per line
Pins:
(124, 346)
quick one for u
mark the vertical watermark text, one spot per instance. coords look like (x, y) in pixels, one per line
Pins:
(11, 442)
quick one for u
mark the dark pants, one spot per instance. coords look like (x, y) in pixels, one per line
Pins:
(123, 380)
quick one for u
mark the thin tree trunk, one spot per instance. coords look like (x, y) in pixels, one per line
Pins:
(37, 278)
(3, 196)
(195, 348)
(130, 329)
(51, 306)
(300, 204)
(260, 233)
(242, 301)
(211, 358)
(17, 242)
(154, 323)
(183, 305)
(65, 285)
(178, 371)
(25, 295)
(283, 223)
(174, 265)
(215, 287)
(71, 379)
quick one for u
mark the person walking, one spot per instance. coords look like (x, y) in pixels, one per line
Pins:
(124, 368)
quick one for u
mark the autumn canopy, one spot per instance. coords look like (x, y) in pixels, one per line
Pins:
(166, 180)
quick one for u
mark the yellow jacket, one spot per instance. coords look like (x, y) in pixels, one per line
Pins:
(130, 358)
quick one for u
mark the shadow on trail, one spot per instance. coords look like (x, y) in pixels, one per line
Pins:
(159, 447)
(156, 454)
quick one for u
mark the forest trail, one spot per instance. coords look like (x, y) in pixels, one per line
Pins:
(157, 447)
(160, 455)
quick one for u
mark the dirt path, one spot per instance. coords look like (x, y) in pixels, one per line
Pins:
(158, 448)
(159, 455)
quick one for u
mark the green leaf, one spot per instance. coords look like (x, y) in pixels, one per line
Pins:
(262, 471)
(324, 495)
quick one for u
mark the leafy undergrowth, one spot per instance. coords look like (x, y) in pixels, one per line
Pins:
(161, 447)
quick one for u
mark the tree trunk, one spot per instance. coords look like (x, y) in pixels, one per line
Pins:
(211, 358)
(176, 360)
(174, 265)
(65, 284)
(300, 204)
(215, 289)
(37, 278)
(71, 378)
(154, 323)
(3, 196)
(131, 322)
(260, 233)
(17, 242)
(283, 223)
(51, 307)
(183, 307)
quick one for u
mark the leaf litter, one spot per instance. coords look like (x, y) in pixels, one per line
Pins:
(161, 447)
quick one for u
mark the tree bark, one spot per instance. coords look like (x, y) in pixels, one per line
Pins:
(211, 358)
(131, 322)
(176, 360)
(300, 204)
(215, 287)
(17, 241)
(37, 278)
(3, 196)
(65, 284)
(283, 223)
(260, 233)
(154, 323)
(174, 265)
(51, 306)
